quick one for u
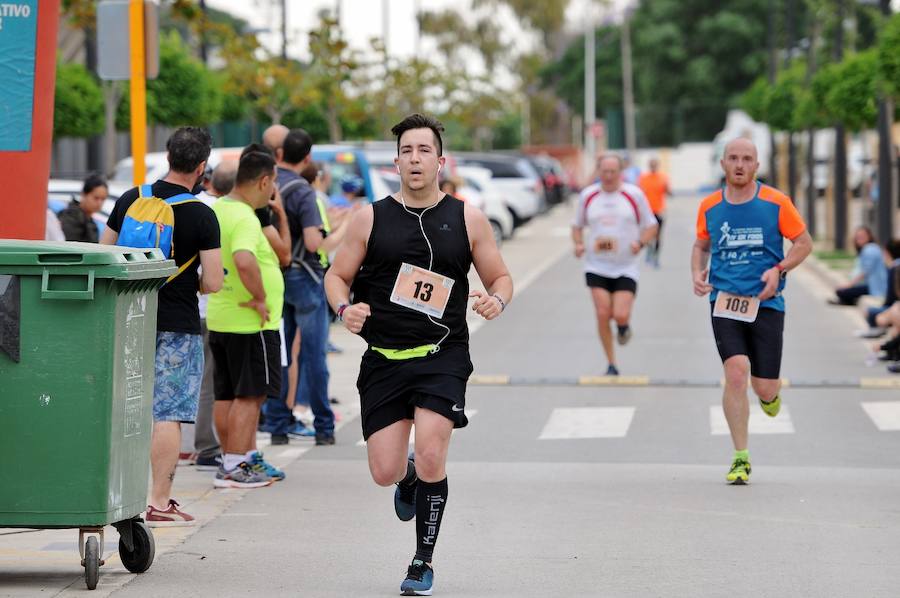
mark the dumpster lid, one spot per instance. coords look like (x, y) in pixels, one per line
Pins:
(15, 252)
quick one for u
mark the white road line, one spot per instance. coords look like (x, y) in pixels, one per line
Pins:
(760, 423)
(588, 422)
(884, 414)
(288, 455)
(470, 413)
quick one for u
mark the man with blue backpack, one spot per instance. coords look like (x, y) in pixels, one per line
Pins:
(167, 215)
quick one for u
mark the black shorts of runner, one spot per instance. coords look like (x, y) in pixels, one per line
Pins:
(246, 365)
(390, 390)
(613, 285)
(761, 341)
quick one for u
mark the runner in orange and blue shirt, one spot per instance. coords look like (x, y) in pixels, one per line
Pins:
(738, 259)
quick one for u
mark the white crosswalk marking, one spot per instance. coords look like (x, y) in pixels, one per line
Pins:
(760, 423)
(588, 422)
(470, 413)
(884, 414)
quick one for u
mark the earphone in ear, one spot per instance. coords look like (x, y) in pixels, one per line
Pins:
(398, 169)
(439, 167)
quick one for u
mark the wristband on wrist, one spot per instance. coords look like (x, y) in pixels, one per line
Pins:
(340, 311)
(502, 303)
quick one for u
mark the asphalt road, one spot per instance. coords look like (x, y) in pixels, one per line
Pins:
(561, 489)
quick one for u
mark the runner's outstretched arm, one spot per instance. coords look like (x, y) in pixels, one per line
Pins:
(801, 247)
(346, 264)
(700, 267)
(489, 265)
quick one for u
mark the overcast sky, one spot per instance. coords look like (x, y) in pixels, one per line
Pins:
(362, 20)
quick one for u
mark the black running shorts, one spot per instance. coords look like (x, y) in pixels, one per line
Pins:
(761, 341)
(390, 390)
(622, 283)
(246, 365)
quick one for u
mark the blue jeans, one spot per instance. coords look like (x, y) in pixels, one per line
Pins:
(306, 310)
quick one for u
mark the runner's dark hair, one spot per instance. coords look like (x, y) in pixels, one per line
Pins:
(420, 121)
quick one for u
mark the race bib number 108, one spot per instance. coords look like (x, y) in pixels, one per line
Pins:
(736, 307)
(422, 290)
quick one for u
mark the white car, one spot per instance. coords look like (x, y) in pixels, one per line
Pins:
(515, 177)
(158, 165)
(493, 204)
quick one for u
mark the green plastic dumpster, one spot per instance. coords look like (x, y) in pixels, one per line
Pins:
(77, 345)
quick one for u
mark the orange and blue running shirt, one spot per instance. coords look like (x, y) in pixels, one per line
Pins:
(747, 239)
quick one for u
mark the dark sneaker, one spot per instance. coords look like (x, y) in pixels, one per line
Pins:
(258, 464)
(208, 463)
(324, 439)
(279, 439)
(241, 476)
(169, 517)
(624, 335)
(612, 370)
(405, 500)
(894, 368)
(419, 579)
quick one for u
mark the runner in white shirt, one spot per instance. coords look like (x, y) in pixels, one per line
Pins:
(620, 223)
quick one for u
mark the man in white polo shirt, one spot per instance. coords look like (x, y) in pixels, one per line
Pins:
(619, 225)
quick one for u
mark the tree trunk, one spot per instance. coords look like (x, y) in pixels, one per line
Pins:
(334, 123)
(111, 96)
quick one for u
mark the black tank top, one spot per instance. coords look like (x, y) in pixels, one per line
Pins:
(396, 238)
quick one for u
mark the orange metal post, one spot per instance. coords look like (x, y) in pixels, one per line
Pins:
(138, 90)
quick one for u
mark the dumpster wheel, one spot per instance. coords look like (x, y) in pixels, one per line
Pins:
(91, 562)
(140, 557)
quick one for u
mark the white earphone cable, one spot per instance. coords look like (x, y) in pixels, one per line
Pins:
(430, 261)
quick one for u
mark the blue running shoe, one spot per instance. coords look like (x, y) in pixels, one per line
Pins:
(419, 579)
(298, 430)
(257, 463)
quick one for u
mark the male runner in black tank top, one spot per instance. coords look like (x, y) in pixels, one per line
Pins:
(407, 258)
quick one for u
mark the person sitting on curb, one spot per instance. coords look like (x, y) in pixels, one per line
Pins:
(869, 272)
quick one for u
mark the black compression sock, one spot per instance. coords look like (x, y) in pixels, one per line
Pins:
(623, 328)
(431, 497)
(410, 476)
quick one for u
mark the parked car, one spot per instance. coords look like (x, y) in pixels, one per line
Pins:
(348, 160)
(552, 175)
(158, 165)
(515, 177)
(493, 203)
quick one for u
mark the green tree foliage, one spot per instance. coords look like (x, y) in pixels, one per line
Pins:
(78, 103)
(852, 96)
(691, 60)
(184, 93)
(331, 70)
(546, 17)
(889, 56)
(785, 97)
(755, 101)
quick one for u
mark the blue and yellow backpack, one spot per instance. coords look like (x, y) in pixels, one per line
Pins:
(150, 222)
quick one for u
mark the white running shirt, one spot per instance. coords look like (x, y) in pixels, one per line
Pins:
(612, 216)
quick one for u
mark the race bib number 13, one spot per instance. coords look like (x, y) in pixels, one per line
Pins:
(422, 290)
(736, 307)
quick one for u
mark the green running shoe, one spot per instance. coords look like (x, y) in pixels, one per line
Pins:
(772, 407)
(739, 473)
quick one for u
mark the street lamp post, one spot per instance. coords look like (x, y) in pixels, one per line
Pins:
(627, 84)
(590, 108)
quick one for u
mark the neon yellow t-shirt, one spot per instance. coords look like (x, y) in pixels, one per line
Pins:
(241, 231)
